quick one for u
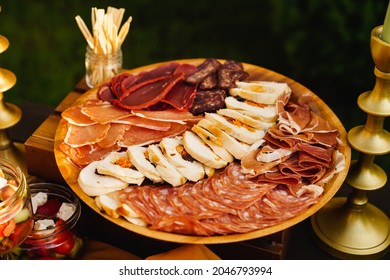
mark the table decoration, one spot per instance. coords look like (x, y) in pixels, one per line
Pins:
(352, 228)
(10, 115)
(103, 58)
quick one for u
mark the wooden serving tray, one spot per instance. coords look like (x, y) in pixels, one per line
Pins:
(39, 149)
(41, 163)
(70, 172)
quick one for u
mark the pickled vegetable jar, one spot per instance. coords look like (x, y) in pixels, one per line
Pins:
(15, 207)
(55, 234)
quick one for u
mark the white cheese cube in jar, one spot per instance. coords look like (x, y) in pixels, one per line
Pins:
(56, 233)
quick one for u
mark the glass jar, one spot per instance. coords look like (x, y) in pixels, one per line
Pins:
(15, 207)
(101, 67)
(55, 235)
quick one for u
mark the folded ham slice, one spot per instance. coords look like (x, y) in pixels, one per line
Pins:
(104, 113)
(75, 116)
(77, 136)
(298, 150)
(142, 136)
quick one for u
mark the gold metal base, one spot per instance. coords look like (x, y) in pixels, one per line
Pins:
(349, 232)
(15, 153)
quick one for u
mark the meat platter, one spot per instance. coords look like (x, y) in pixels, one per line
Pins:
(298, 94)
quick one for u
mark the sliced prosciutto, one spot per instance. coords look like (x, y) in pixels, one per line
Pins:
(77, 136)
(105, 113)
(142, 136)
(299, 150)
(170, 115)
(149, 94)
(182, 95)
(75, 116)
(161, 87)
(144, 122)
(114, 135)
(83, 155)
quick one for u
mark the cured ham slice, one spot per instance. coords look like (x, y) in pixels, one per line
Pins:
(144, 122)
(142, 136)
(114, 134)
(170, 115)
(75, 116)
(77, 136)
(83, 155)
(182, 95)
(149, 94)
(298, 150)
(105, 113)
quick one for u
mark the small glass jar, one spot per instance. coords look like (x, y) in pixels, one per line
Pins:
(15, 207)
(58, 240)
(101, 67)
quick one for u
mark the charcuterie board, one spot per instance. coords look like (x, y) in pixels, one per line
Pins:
(70, 172)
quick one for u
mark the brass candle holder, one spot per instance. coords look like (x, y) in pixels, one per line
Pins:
(10, 115)
(352, 228)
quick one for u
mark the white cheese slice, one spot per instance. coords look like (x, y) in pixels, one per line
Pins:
(242, 133)
(43, 224)
(263, 113)
(166, 170)
(3, 182)
(245, 119)
(233, 146)
(172, 148)
(66, 211)
(37, 200)
(200, 151)
(263, 92)
(213, 143)
(140, 159)
(94, 184)
(110, 165)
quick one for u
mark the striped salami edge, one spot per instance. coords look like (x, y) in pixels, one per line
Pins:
(205, 195)
(224, 204)
(181, 224)
(131, 197)
(200, 211)
(178, 204)
(158, 197)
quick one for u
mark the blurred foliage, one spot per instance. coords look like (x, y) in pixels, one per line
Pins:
(323, 44)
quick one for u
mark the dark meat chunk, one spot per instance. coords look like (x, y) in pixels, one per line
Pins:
(210, 82)
(208, 101)
(230, 72)
(227, 78)
(208, 67)
(233, 65)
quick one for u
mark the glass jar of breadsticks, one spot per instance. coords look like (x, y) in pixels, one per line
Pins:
(103, 58)
(100, 67)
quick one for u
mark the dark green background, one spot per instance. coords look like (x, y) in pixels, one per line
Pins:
(322, 44)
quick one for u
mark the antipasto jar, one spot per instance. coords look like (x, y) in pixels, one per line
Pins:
(15, 207)
(55, 234)
(101, 67)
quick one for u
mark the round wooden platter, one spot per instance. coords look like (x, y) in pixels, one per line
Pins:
(70, 172)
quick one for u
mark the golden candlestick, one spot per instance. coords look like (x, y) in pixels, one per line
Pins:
(9, 116)
(352, 228)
